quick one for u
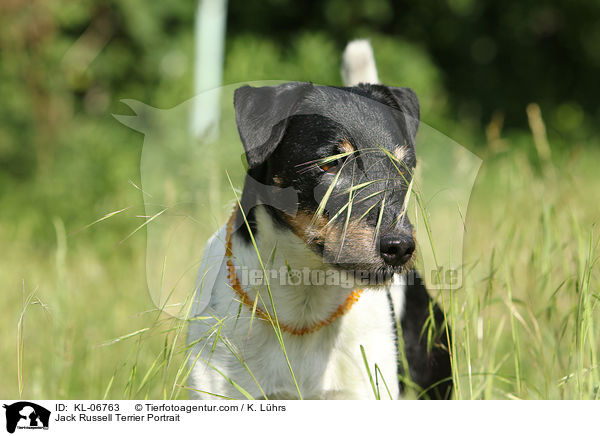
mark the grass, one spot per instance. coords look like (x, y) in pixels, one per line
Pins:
(526, 316)
(79, 322)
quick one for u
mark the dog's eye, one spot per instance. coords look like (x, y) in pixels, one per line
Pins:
(330, 167)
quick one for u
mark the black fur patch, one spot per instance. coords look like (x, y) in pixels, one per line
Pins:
(429, 368)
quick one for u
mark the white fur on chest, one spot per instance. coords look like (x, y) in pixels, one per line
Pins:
(326, 363)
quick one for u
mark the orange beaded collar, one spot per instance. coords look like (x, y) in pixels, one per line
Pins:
(245, 299)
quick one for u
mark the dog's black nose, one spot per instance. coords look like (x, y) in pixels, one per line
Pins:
(396, 250)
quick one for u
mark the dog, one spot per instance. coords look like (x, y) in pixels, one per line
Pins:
(311, 293)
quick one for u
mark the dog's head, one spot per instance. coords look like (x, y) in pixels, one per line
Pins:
(348, 153)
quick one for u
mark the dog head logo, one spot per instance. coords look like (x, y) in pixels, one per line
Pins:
(186, 175)
(26, 415)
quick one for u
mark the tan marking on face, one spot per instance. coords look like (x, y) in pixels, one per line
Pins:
(354, 245)
(346, 147)
(400, 153)
(303, 226)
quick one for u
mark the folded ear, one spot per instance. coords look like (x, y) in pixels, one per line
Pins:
(262, 115)
(409, 105)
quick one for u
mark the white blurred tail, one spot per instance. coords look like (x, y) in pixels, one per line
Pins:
(358, 63)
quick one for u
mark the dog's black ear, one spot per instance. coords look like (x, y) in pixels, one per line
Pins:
(409, 105)
(262, 114)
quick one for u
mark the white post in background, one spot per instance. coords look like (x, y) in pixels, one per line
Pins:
(211, 18)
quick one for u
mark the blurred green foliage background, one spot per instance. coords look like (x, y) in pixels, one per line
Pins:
(65, 65)
(65, 162)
